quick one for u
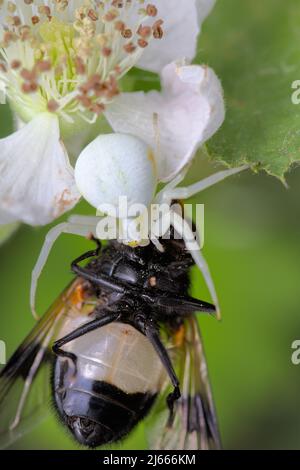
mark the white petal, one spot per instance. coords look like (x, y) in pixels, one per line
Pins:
(6, 218)
(204, 8)
(6, 231)
(8, 225)
(182, 25)
(36, 180)
(188, 111)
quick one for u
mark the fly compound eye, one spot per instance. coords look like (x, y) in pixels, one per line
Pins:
(89, 433)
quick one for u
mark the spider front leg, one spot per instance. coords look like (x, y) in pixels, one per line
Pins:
(184, 230)
(76, 226)
(190, 191)
(171, 193)
(163, 195)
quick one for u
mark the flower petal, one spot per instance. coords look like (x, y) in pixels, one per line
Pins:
(204, 8)
(6, 231)
(6, 218)
(175, 122)
(182, 25)
(8, 225)
(36, 180)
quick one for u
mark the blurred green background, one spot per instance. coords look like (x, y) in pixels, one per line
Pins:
(252, 229)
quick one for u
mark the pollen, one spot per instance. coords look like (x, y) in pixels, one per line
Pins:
(70, 59)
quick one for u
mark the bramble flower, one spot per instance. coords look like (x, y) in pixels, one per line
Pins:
(61, 66)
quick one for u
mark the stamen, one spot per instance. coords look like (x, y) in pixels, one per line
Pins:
(52, 106)
(71, 59)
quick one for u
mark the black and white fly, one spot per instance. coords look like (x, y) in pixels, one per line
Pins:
(121, 343)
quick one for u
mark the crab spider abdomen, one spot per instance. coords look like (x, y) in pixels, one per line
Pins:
(116, 166)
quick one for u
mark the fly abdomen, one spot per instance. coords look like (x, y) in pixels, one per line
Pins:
(97, 413)
(111, 389)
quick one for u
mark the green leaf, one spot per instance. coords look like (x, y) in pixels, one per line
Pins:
(254, 47)
(6, 231)
(140, 80)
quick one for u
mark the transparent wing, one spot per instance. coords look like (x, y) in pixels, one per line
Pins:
(195, 425)
(25, 380)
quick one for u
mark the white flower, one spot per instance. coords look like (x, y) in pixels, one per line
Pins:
(61, 63)
(42, 153)
(146, 150)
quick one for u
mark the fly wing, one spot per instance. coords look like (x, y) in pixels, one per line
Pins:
(25, 380)
(195, 425)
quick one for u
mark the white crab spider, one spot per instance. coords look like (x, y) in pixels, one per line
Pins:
(118, 165)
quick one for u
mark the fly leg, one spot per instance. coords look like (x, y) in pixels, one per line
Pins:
(89, 254)
(150, 331)
(79, 332)
(105, 319)
(184, 305)
(104, 281)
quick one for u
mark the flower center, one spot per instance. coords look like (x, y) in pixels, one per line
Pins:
(68, 59)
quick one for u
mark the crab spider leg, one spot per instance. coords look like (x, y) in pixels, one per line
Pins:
(84, 220)
(184, 230)
(162, 195)
(51, 237)
(185, 193)
(157, 244)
